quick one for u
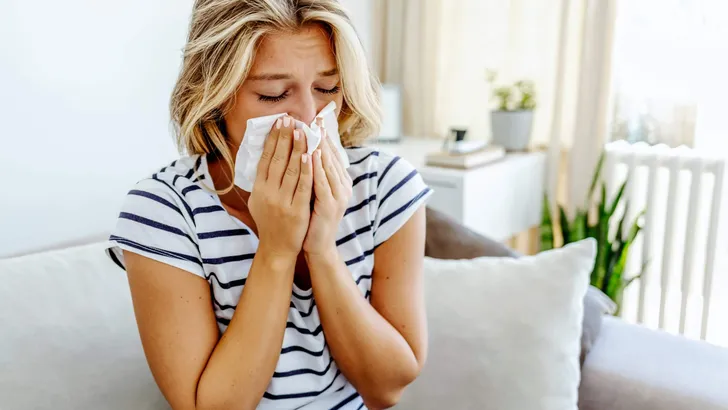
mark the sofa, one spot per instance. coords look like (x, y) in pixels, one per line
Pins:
(69, 340)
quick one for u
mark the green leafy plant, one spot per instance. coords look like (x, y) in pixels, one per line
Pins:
(593, 220)
(519, 96)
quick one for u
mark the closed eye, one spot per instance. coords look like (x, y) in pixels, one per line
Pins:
(272, 98)
(329, 91)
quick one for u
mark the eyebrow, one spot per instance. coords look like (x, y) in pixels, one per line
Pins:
(273, 77)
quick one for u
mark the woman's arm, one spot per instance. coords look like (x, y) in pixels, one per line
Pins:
(381, 347)
(180, 335)
(174, 309)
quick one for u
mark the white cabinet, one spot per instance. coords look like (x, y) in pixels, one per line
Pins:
(500, 200)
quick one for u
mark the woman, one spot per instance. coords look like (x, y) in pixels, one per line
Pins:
(306, 293)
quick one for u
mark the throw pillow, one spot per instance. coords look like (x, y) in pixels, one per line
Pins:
(447, 239)
(504, 332)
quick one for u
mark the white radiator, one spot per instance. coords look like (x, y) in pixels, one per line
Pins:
(681, 190)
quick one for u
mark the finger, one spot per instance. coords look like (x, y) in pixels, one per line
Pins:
(290, 178)
(279, 161)
(343, 173)
(320, 182)
(329, 164)
(302, 196)
(269, 148)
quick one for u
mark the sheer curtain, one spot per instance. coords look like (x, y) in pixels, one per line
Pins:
(438, 51)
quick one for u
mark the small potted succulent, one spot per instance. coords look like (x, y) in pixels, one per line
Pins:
(512, 119)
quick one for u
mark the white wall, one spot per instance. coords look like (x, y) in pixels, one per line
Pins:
(361, 13)
(84, 90)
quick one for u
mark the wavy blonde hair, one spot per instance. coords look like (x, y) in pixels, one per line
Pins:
(223, 38)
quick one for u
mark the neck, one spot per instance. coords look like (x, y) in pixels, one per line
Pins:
(222, 177)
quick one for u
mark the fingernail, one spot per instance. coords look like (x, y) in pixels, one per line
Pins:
(278, 124)
(296, 135)
(304, 158)
(286, 121)
(319, 121)
(318, 153)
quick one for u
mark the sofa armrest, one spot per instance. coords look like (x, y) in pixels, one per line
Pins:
(633, 367)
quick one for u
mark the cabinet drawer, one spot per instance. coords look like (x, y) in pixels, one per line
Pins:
(447, 197)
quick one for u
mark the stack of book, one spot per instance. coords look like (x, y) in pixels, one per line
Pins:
(465, 156)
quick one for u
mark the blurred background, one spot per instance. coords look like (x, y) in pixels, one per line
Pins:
(85, 87)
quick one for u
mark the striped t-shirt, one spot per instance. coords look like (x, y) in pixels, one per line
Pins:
(171, 217)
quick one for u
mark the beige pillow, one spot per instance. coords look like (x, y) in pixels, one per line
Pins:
(504, 332)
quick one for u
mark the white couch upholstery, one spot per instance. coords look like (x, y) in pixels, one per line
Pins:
(69, 338)
(69, 341)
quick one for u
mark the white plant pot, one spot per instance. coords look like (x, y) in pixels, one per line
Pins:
(511, 129)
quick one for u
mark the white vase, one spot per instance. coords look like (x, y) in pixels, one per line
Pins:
(512, 129)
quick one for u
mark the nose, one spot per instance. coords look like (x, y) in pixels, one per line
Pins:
(304, 108)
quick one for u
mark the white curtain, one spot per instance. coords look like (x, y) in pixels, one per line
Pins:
(438, 51)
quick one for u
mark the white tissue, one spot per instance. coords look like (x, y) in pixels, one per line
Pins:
(257, 130)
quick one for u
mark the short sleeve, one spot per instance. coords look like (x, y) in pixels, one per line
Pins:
(400, 192)
(155, 222)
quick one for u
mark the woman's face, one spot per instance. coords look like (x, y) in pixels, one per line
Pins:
(292, 72)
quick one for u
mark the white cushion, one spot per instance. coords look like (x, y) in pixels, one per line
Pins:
(69, 338)
(504, 333)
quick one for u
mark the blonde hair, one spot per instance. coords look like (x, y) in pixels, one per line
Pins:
(223, 38)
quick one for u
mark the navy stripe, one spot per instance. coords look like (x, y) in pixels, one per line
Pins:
(305, 331)
(404, 207)
(228, 259)
(361, 406)
(386, 170)
(359, 161)
(190, 173)
(346, 400)
(362, 277)
(187, 207)
(223, 321)
(199, 178)
(220, 234)
(361, 205)
(226, 285)
(305, 371)
(302, 297)
(353, 235)
(207, 209)
(363, 177)
(174, 180)
(154, 224)
(156, 198)
(198, 162)
(302, 313)
(190, 189)
(221, 306)
(399, 185)
(116, 260)
(291, 349)
(301, 395)
(366, 295)
(359, 258)
(156, 251)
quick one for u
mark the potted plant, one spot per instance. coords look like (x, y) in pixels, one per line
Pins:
(594, 221)
(512, 120)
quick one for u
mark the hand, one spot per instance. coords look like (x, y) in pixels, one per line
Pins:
(332, 191)
(280, 203)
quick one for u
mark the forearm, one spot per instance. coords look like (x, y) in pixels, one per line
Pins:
(370, 352)
(244, 360)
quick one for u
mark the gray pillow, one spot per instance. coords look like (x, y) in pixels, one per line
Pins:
(446, 239)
